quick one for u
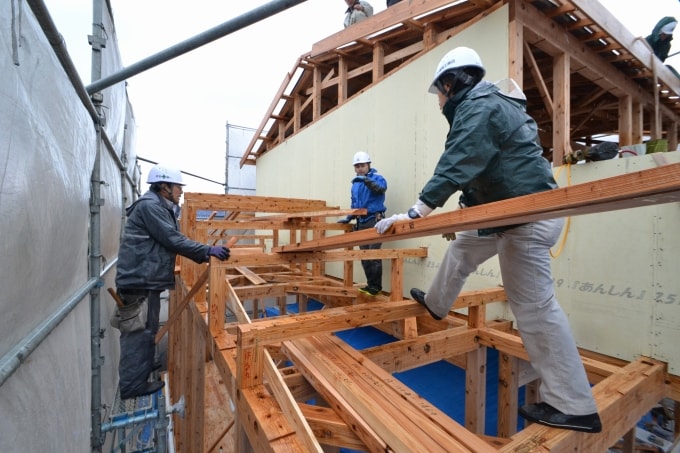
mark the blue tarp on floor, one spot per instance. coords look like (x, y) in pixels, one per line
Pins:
(441, 383)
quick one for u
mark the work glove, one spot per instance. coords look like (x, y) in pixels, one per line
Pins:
(374, 186)
(219, 251)
(419, 209)
(385, 224)
(359, 179)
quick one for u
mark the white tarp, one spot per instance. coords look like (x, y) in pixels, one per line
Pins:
(48, 146)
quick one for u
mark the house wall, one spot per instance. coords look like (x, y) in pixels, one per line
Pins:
(614, 277)
(400, 125)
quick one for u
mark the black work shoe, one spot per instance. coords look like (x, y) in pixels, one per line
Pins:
(151, 387)
(419, 296)
(545, 414)
(370, 290)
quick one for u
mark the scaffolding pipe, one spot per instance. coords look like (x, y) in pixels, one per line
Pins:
(56, 40)
(197, 41)
(96, 333)
(13, 359)
(130, 421)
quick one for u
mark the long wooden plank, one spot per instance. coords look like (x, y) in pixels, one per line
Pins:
(422, 408)
(245, 203)
(198, 285)
(404, 355)
(399, 13)
(289, 407)
(344, 410)
(312, 214)
(252, 257)
(641, 188)
(250, 275)
(273, 330)
(403, 419)
(329, 428)
(266, 427)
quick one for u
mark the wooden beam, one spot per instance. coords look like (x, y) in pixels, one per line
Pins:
(289, 407)
(270, 331)
(385, 19)
(640, 188)
(562, 109)
(330, 429)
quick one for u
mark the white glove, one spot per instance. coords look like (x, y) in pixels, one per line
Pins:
(385, 224)
(420, 209)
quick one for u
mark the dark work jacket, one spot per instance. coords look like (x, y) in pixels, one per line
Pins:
(491, 152)
(660, 47)
(151, 242)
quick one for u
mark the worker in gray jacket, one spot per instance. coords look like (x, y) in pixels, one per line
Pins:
(146, 265)
(492, 153)
(357, 10)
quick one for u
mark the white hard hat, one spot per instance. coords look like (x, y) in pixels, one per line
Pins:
(459, 57)
(162, 173)
(361, 157)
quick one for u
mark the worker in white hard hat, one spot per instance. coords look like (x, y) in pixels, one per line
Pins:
(368, 191)
(146, 268)
(492, 153)
(661, 37)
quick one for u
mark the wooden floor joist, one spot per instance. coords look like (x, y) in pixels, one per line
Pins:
(272, 367)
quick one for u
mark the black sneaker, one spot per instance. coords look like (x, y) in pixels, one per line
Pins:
(545, 414)
(419, 296)
(370, 290)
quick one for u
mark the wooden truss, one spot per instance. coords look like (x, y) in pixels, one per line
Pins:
(245, 377)
(573, 54)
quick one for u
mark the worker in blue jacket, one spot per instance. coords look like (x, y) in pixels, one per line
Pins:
(492, 153)
(368, 192)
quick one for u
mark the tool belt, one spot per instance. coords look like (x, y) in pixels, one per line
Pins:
(132, 316)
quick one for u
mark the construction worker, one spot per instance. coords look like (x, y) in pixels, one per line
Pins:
(357, 10)
(146, 264)
(662, 35)
(368, 191)
(492, 153)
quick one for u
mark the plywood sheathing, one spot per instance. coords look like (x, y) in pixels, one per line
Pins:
(265, 371)
(609, 77)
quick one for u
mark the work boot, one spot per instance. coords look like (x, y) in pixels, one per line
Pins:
(419, 296)
(370, 290)
(545, 414)
(148, 389)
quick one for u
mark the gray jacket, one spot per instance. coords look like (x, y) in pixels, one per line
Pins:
(151, 242)
(353, 16)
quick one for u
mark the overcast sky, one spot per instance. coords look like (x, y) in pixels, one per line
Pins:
(182, 107)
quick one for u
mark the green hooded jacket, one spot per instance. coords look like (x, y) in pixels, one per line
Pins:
(491, 153)
(661, 47)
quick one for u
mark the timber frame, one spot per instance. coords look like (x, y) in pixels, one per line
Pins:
(580, 69)
(222, 352)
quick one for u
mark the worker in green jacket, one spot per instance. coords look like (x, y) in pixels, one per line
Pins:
(661, 37)
(492, 153)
